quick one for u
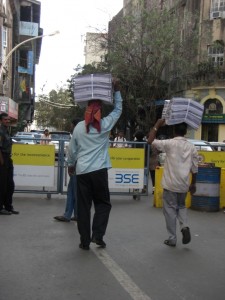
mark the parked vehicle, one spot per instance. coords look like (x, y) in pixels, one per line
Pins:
(37, 137)
(217, 146)
(41, 131)
(201, 145)
(25, 139)
(24, 133)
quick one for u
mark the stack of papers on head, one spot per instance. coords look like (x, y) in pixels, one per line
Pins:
(180, 110)
(93, 87)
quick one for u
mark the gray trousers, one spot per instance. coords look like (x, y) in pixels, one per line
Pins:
(174, 209)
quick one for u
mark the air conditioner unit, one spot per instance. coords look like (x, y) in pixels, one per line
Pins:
(215, 15)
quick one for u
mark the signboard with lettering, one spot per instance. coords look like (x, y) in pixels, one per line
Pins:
(33, 165)
(214, 118)
(127, 168)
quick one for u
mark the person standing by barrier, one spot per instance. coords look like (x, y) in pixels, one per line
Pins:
(119, 140)
(6, 168)
(141, 143)
(46, 138)
(71, 200)
(153, 164)
(181, 160)
(89, 149)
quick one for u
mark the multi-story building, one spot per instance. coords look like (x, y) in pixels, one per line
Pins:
(6, 43)
(20, 51)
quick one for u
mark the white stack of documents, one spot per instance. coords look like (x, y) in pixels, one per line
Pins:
(93, 86)
(184, 110)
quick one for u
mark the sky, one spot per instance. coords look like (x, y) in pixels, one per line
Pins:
(61, 53)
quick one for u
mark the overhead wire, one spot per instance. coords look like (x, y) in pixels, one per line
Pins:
(58, 105)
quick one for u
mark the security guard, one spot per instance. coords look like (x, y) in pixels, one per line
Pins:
(6, 168)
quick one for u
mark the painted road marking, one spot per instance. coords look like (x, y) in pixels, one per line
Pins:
(123, 278)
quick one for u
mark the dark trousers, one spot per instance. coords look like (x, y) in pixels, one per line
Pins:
(6, 183)
(152, 173)
(93, 186)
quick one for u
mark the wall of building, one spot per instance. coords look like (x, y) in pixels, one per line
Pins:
(95, 47)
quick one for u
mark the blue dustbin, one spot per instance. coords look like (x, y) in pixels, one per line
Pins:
(207, 196)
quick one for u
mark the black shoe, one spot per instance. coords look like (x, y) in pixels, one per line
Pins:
(14, 212)
(169, 243)
(61, 218)
(99, 242)
(5, 212)
(84, 247)
(73, 219)
(186, 235)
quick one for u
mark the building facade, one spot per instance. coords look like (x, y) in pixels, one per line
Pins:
(20, 50)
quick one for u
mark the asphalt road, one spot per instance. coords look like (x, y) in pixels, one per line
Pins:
(40, 258)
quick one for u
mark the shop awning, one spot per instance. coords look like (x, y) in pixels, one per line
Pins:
(9, 106)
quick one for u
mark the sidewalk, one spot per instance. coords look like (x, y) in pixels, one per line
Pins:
(40, 258)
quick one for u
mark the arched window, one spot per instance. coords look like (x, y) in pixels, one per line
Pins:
(213, 106)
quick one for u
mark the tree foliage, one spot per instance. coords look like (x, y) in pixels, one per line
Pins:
(154, 54)
(148, 51)
(56, 110)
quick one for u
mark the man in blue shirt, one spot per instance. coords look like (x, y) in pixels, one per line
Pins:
(89, 150)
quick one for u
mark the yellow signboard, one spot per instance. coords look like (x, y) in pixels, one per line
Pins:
(216, 157)
(127, 158)
(34, 155)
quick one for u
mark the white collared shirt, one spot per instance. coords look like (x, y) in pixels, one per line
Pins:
(181, 160)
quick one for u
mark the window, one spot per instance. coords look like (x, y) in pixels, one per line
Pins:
(217, 5)
(216, 54)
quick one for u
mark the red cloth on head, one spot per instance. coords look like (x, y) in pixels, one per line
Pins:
(93, 115)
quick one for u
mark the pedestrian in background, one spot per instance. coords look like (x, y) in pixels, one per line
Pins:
(139, 137)
(46, 138)
(71, 200)
(89, 149)
(153, 164)
(181, 160)
(7, 185)
(119, 140)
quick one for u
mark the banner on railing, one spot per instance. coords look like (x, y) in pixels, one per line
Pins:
(33, 165)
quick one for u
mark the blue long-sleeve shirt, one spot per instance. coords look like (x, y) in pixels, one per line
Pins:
(90, 150)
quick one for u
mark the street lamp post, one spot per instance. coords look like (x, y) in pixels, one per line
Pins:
(17, 46)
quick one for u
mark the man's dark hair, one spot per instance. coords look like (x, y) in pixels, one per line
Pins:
(76, 121)
(139, 135)
(3, 115)
(180, 129)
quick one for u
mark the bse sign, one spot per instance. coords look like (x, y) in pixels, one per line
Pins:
(127, 178)
(127, 168)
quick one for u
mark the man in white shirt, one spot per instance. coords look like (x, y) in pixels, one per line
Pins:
(119, 140)
(181, 160)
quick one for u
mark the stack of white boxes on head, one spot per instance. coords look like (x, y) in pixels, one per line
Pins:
(179, 110)
(93, 86)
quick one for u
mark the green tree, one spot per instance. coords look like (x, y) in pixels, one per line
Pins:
(148, 50)
(56, 109)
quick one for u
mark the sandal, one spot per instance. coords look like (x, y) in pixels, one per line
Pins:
(169, 243)
(61, 218)
(186, 235)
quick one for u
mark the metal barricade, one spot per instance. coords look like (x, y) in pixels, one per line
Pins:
(61, 176)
